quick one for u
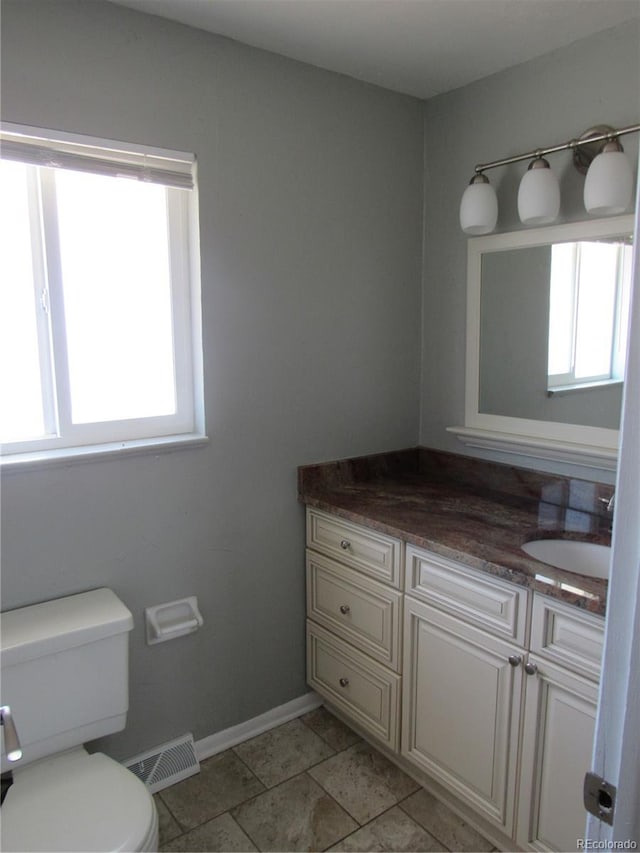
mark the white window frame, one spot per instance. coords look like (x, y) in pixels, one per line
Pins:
(175, 171)
(565, 382)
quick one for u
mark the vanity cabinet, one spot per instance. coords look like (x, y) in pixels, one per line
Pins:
(354, 610)
(464, 640)
(461, 709)
(560, 705)
(500, 696)
(474, 682)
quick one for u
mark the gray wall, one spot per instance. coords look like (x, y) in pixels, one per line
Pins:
(310, 210)
(539, 103)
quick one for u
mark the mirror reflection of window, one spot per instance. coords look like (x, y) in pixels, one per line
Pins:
(588, 317)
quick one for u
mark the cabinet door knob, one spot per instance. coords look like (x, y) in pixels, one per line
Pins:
(344, 682)
(344, 609)
(345, 544)
(515, 660)
(530, 668)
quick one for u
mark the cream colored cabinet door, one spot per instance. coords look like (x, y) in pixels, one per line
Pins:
(461, 709)
(558, 729)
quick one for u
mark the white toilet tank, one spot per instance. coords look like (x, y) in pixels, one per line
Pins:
(65, 670)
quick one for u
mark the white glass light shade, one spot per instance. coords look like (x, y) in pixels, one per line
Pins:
(609, 183)
(479, 207)
(538, 194)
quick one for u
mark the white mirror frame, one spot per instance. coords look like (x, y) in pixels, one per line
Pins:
(593, 447)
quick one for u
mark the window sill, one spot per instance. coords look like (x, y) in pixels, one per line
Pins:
(562, 390)
(63, 457)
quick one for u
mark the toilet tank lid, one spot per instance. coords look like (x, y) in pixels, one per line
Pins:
(53, 626)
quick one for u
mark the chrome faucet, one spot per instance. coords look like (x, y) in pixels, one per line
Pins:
(609, 502)
(608, 506)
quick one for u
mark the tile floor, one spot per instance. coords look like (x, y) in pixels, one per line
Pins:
(310, 784)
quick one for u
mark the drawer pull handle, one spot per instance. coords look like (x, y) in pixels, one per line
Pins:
(344, 609)
(515, 660)
(530, 668)
(344, 682)
(345, 544)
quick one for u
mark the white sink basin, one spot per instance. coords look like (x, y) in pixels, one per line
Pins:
(584, 558)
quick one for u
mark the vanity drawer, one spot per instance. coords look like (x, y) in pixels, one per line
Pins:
(494, 605)
(375, 554)
(362, 611)
(566, 635)
(361, 688)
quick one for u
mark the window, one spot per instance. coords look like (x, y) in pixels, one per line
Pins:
(588, 314)
(99, 334)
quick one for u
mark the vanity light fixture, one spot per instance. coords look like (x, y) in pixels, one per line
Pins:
(538, 194)
(597, 153)
(609, 182)
(479, 206)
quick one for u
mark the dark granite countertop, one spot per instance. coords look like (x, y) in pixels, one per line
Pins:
(478, 513)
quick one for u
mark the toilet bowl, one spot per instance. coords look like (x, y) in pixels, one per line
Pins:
(76, 801)
(65, 680)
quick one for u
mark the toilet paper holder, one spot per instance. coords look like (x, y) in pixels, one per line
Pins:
(173, 619)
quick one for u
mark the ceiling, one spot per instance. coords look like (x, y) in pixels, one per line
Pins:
(420, 47)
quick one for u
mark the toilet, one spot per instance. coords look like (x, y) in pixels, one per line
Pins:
(65, 667)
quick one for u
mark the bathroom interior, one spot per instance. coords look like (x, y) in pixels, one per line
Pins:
(341, 424)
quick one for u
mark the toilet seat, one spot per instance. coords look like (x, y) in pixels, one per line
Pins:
(78, 802)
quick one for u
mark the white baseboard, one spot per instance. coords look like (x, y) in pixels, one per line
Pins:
(213, 744)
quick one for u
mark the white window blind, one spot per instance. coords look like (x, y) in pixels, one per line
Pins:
(171, 169)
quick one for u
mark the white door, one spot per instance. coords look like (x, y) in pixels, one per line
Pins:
(461, 709)
(617, 742)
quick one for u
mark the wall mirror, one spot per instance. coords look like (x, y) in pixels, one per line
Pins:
(547, 313)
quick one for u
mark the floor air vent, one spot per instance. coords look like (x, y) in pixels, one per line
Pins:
(166, 764)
